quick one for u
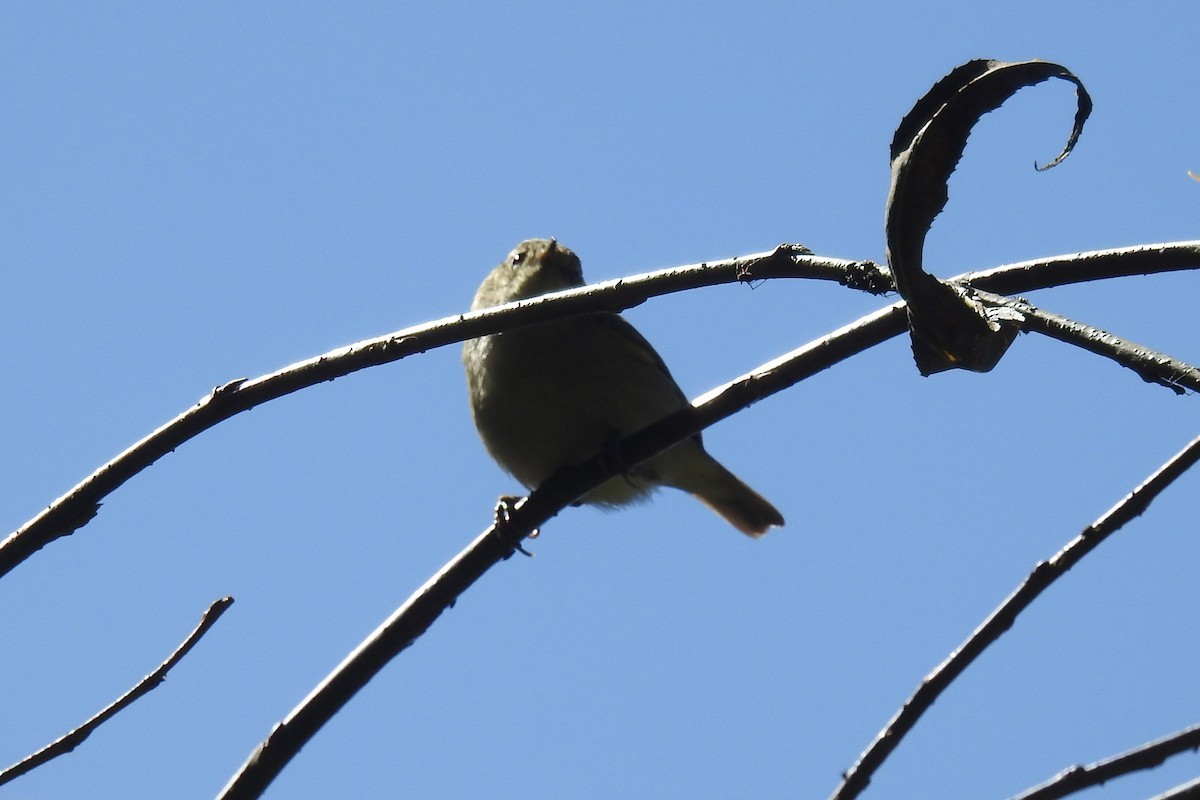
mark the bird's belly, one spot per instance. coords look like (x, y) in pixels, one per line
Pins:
(545, 397)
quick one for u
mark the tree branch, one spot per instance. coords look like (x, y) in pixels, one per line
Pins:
(81, 503)
(1150, 365)
(1095, 265)
(569, 484)
(70, 741)
(1147, 756)
(1185, 791)
(75, 508)
(396, 633)
(1000, 620)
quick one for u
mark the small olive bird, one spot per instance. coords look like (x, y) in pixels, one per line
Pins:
(554, 393)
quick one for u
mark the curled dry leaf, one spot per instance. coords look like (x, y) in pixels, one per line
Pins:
(948, 330)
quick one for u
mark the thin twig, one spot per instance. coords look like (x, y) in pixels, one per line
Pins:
(1184, 791)
(1146, 756)
(1094, 265)
(1150, 365)
(70, 741)
(400, 630)
(1000, 620)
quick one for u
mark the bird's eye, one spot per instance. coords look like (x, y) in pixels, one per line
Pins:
(516, 259)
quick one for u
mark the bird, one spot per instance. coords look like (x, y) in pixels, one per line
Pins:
(555, 393)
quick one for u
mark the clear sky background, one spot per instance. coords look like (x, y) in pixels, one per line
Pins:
(195, 193)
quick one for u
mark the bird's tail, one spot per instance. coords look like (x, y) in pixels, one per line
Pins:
(726, 494)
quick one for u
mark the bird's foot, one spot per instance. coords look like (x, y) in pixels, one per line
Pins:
(502, 515)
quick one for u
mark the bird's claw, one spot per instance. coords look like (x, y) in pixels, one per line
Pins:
(501, 521)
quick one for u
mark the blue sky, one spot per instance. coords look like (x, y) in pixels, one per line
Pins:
(191, 194)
